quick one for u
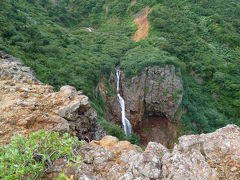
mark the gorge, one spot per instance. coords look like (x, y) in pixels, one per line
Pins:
(27, 106)
(119, 90)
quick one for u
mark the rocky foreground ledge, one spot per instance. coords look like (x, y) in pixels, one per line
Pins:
(27, 105)
(204, 157)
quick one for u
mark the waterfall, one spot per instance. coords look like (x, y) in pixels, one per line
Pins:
(125, 122)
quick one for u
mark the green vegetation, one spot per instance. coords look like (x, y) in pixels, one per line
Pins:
(29, 158)
(200, 37)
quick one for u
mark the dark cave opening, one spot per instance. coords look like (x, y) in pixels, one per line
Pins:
(157, 128)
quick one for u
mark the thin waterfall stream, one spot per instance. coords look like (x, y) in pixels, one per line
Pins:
(125, 122)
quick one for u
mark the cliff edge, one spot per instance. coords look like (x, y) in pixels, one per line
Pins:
(212, 156)
(27, 105)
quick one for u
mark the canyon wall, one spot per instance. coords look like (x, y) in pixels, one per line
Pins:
(152, 98)
(156, 91)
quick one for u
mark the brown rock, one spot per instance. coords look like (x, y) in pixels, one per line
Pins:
(233, 169)
(27, 107)
(196, 157)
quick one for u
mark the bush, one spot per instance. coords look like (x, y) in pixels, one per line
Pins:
(133, 138)
(29, 158)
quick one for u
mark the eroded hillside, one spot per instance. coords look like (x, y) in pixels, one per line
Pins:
(143, 25)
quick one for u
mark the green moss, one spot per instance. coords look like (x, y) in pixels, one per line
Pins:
(146, 90)
(110, 91)
(176, 95)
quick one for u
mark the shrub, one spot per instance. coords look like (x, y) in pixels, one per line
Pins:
(28, 158)
(133, 138)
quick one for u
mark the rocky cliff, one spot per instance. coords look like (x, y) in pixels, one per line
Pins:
(211, 156)
(153, 95)
(156, 91)
(27, 105)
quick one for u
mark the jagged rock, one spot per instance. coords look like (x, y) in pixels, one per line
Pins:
(62, 124)
(196, 157)
(163, 93)
(26, 105)
(186, 165)
(156, 148)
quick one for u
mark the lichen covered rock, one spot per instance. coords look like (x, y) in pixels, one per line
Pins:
(13, 68)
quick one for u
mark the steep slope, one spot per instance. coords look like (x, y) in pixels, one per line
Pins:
(27, 106)
(201, 38)
(152, 103)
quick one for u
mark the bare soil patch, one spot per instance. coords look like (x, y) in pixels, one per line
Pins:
(143, 25)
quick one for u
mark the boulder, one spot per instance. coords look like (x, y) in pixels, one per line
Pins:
(13, 68)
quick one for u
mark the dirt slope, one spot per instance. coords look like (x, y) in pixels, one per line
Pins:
(143, 25)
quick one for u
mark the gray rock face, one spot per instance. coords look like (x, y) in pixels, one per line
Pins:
(163, 93)
(211, 156)
(156, 91)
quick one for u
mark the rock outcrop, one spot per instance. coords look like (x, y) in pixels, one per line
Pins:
(13, 68)
(156, 91)
(197, 157)
(27, 105)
